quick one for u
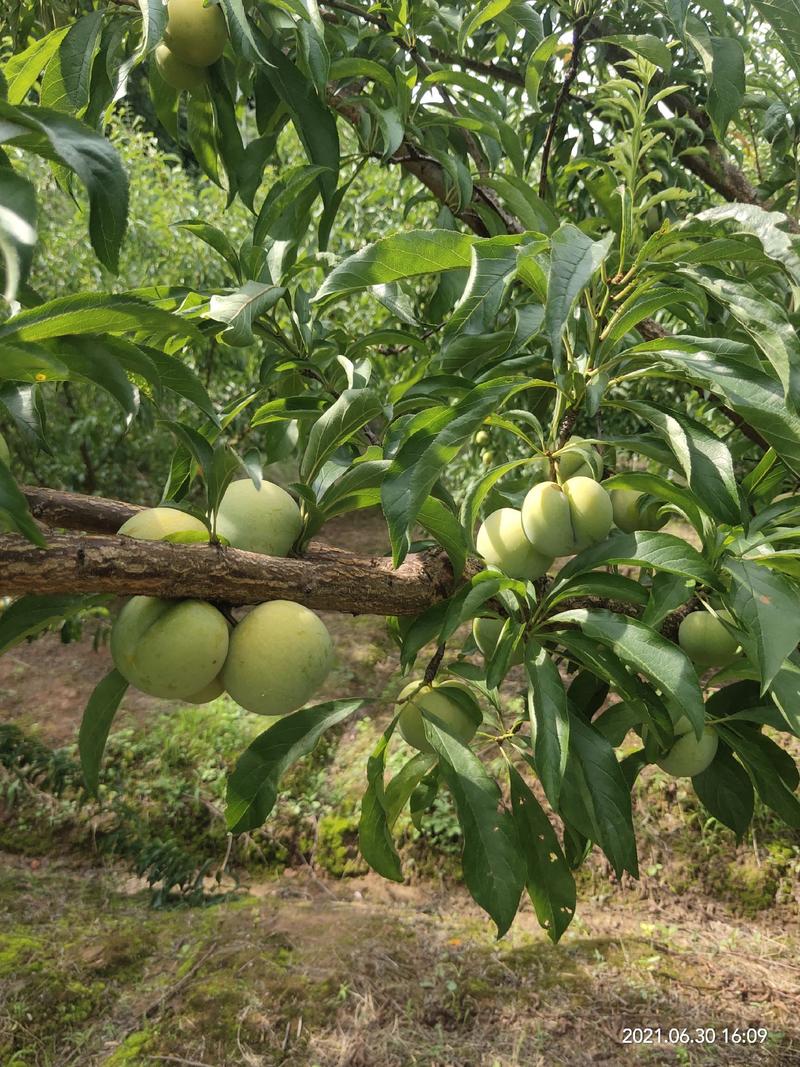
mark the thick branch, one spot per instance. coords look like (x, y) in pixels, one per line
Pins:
(76, 511)
(326, 578)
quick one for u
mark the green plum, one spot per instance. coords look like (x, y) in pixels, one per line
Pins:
(265, 520)
(706, 641)
(169, 648)
(437, 703)
(560, 520)
(195, 33)
(280, 655)
(635, 511)
(154, 524)
(502, 543)
(175, 72)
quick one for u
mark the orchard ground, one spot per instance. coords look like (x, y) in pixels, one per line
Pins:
(298, 956)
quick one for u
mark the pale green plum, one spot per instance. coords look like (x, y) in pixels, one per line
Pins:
(280, 654)
(487, 633)
(688, 755)
(436, 703)
(630, 515)
(154, 524)
(195, 33)
(481, 438)
(487, 458)
(590, 509)
(168, 648)
(706, 641)
(560, 520)
(502, 543)
(209, 692)
(5, 455)
(265, 520)
(585, 462)
(175, 72)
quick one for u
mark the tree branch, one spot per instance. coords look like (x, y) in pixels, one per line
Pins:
(326, 578)
(561, 99)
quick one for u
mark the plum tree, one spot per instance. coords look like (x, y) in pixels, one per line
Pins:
(502, 542)
(450, 710)
(706, 641)
(487, 634)
(280, 654)
(690, 755)
(560, 520)
(154, 524)
(196, 32)
(634, 511)
(176, 72)
(169, 649)
(265, 520)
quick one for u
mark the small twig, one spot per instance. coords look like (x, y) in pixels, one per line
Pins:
(157, 1005)
(435, 663)
(561, 99)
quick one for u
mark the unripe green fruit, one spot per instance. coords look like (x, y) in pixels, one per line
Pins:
(503, 544)
(688, 756)
(264, 520)
(209, 692)
(487, 633)
(5, 455)
(175, 72)
(154, 524)
(560, 520)
(630, 516)
(487, 458)
(574, 463)
(434, 701)
(167, 648)
(195, 34)
(280, 654)
(705, 640)
(481, 438)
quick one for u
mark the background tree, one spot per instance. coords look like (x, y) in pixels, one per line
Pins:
(555, 259)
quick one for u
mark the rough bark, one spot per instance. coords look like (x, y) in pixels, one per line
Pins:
(77, 511)
(325, 578)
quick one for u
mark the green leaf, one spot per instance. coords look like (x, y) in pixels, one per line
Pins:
(493, 264)
(767, 226)
(439, 521)
(494, 870)
(550, 883)
(22, 69)
(662, 489)
(241, 34)
(374, 829)
(65, 86)
(574, 258)
(91, 360)
(14, 508)
(314, 122)
(784, 17)
(642, 44)
(216, 239)
(534, 71)
(765, 321)
(241, 308)
(705, 460)
(96, 722)
(785, 691)
(661, 551)
(605, 795)
(154, 21)
(284, 211)
(29, 615)
(725, 790)
(549, 719)
(63, 139)
(726, 91)
(402, 255)
(765, 762)
(768, 606)
(348, 414)
(253, 783)
(87, 313)
(728, 369)
(649, 653)
(420, 460)
(479, 15)
(357, 67)
(17, 229)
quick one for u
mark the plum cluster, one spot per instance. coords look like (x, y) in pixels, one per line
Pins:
(194, 38)
(270, 663)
